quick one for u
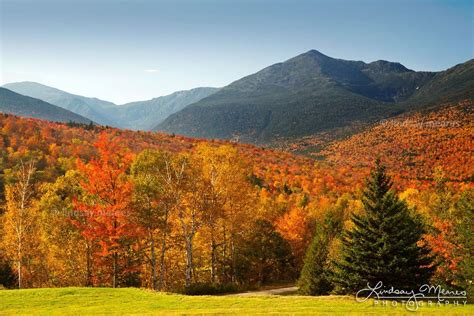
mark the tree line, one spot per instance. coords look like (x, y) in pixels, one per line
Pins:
(156, 220)
(139, 209)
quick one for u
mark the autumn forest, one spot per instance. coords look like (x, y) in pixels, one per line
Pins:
(86, 205)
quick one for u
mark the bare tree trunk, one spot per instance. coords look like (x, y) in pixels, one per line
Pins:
(115, 261)
(162, 262)
(153, 261)
(89, 265)
(260, 273)
(232, 253)
(163, 250)
(19, 264)
(213, 258)
(224, 253)
(189, 260)
(114, 270)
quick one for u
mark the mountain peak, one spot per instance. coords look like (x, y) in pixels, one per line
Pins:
(304, 95)
(28, 85)
(384, 65)
(315, 54)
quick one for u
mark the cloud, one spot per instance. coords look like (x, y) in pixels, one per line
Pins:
(151, 70)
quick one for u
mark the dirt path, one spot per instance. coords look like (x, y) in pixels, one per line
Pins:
(279, 291)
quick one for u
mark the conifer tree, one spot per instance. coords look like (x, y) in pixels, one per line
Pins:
(314, 278)
(315, 275)
(383, 244)
(464, 239)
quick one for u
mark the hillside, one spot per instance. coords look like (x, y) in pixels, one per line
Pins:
(92, 108)
(305, 95)
(144, 115)
(452, 85)
(17, 104)
(276, 168)
(414, 144)
(279, 171)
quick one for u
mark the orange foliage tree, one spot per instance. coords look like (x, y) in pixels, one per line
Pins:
(105, 209)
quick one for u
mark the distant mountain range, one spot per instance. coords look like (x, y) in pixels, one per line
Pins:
(309, 94)
(17, 104)
(312, 93)
(145, 115)
(141, 115)
(92, 108)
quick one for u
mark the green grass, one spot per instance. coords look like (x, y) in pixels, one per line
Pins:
(87, 301)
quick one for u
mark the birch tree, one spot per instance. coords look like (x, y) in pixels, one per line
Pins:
(19, 218)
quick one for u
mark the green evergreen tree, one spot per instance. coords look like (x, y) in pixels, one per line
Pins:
(464, 240)
(383, 243)
(315, 275)
(314, 279)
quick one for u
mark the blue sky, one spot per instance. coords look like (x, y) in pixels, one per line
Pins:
(134, 50)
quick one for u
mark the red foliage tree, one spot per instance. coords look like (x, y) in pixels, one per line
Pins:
(104, 210)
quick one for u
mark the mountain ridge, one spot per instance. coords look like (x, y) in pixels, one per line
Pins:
(138, 115)
(304, 95)
(92, 108)
(20, 105)
(308, 94)
(146, 114)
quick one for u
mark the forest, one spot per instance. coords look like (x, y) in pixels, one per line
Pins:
(85, 205)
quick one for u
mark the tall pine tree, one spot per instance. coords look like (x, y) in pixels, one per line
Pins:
(383, 244)
(315, 275)
(314, 279)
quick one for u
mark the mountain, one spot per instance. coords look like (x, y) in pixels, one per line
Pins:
(92, 108)
(313, 93)
(452, 85)
(17, 104)
(141, 115)
(144, 115)
(304, 96)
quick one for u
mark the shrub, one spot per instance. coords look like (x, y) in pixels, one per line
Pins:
(210, 289)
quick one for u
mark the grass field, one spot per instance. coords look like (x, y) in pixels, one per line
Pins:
(86, 301)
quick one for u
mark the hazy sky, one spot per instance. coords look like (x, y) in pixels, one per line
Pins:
(135, 50)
